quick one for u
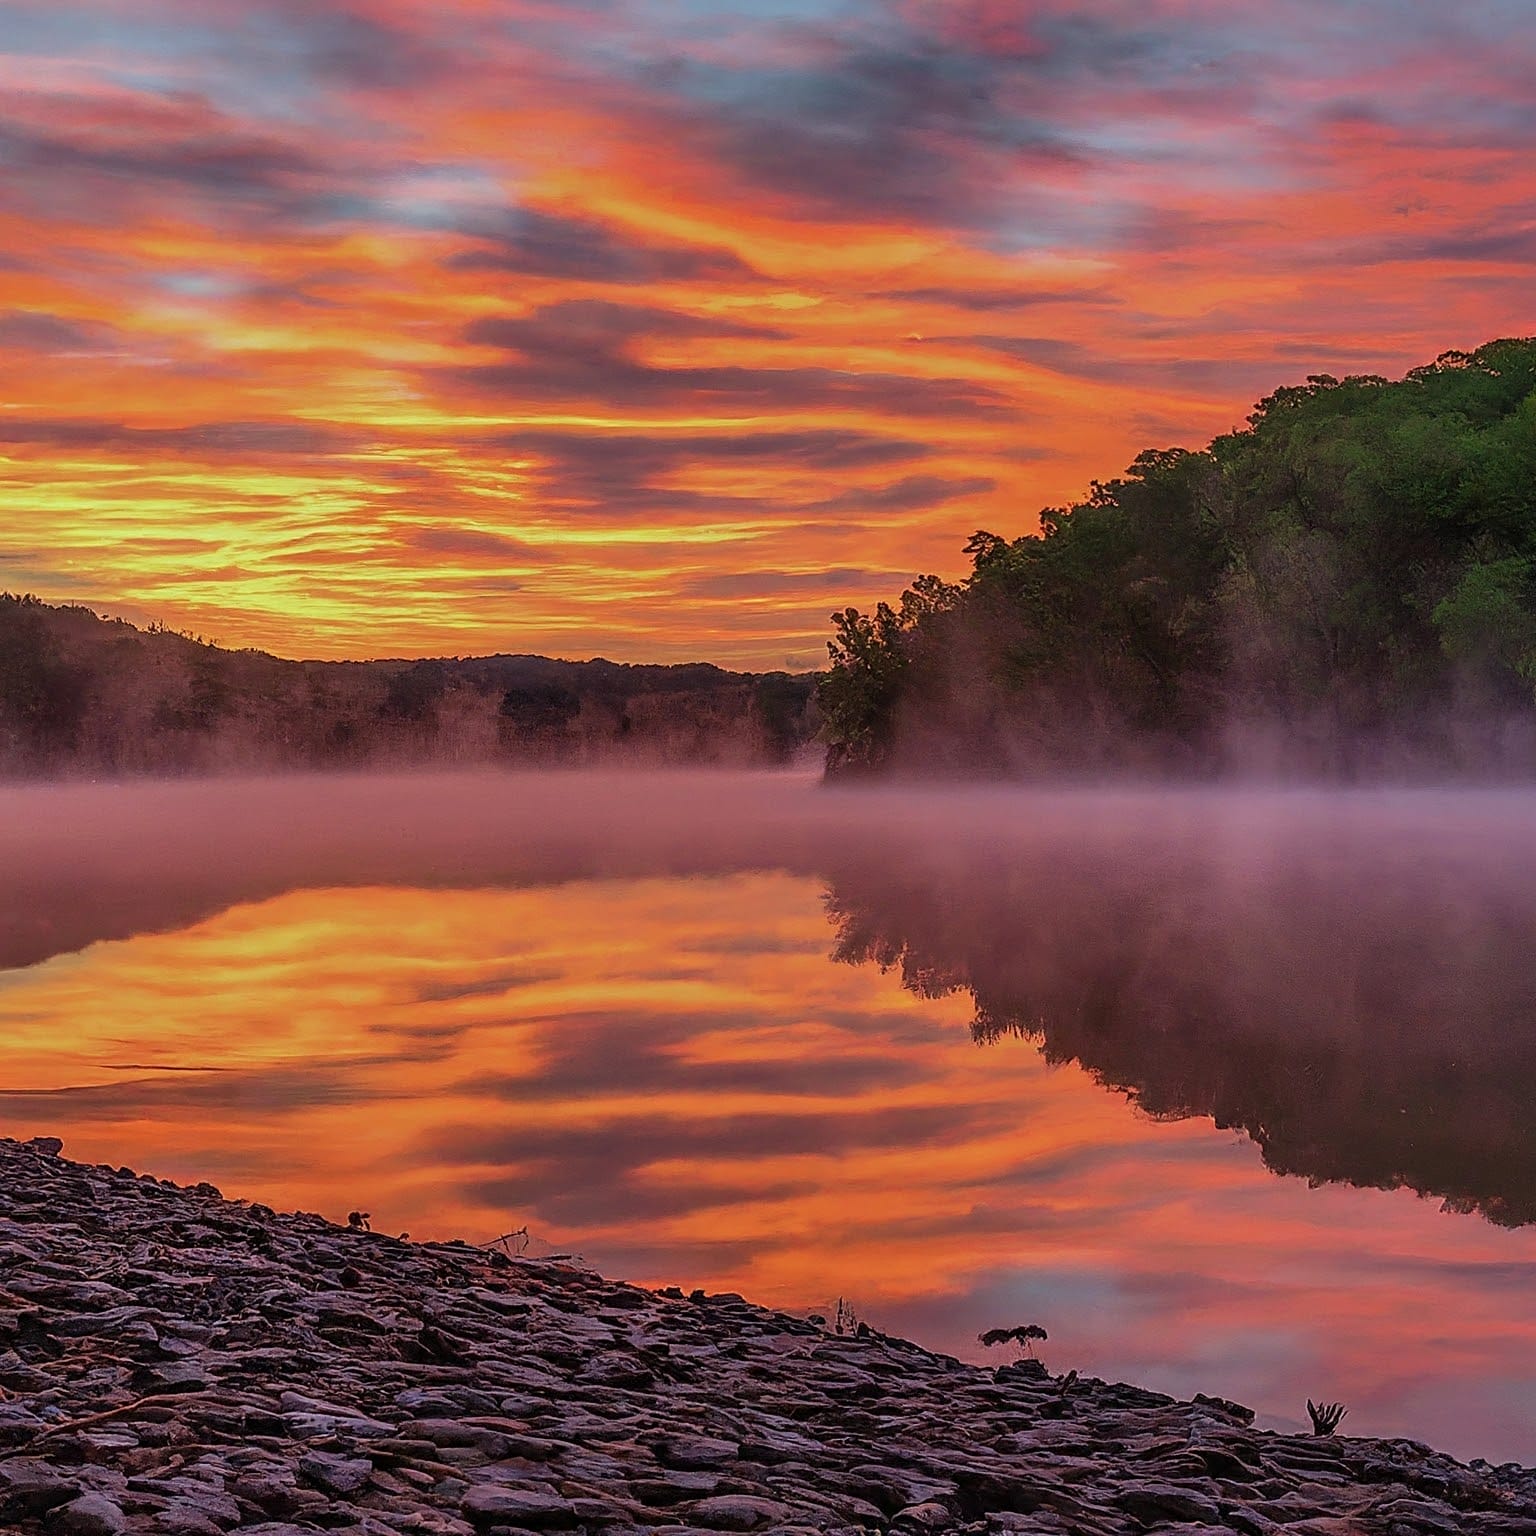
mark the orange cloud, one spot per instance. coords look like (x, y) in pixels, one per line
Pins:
(468, 327)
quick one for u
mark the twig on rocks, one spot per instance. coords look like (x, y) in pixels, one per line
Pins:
(504, 1242)
(153, 1401)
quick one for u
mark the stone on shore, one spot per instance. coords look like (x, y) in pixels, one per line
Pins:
(175, 1364)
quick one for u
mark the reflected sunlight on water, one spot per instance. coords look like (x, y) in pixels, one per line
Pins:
(673, 1078)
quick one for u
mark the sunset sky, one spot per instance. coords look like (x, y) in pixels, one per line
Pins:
(659, 328)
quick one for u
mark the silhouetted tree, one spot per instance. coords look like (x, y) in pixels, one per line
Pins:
(82, 693)
(413, 693)
(43, 697)
(538, 714)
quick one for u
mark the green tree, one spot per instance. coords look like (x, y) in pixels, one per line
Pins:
(871, 655)
(1350, 569)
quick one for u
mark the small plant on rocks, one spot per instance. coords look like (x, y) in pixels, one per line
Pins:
(1024, 1336)
(845, 1321)
(513, 1244)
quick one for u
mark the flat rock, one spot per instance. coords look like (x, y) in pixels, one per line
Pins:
(489, 1505)
(737, 1512)
(1165, 1501)
(180, 1376)
(686, 1453)
(339, 1476)
(924, 1517)
(29, 1486)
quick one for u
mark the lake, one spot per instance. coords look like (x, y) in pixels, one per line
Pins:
(1230, 1091)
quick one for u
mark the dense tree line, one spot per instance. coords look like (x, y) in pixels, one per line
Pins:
(1345, 587)
(80, 694)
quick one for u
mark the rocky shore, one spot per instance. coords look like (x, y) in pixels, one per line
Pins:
(172, 1362)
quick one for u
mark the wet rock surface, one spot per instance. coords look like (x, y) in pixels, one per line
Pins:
(171, 1362)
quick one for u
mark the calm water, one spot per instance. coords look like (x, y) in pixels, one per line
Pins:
(1231, 1092)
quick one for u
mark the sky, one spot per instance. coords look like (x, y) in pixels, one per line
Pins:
(658, 329)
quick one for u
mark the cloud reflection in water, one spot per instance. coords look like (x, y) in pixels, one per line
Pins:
(669, 1073)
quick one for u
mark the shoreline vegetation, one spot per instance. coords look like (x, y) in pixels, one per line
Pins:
(174, 1362)
(82, 695)
(1343, 590)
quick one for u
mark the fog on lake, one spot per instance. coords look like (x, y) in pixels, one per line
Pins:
(1229, 1090)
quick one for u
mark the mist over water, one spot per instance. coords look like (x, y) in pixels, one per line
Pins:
(740, 1029)
(91, 861)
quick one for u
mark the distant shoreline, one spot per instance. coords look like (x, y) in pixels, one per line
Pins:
(82, 696)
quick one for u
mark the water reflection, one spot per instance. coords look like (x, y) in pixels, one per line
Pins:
(630, 1034)
(1366, 1020)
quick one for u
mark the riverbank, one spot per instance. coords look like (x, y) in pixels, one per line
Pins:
(172, 1362)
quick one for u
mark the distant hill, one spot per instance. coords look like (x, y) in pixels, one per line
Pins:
(81, 694)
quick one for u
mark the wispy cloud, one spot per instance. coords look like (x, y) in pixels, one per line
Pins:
(682, 294)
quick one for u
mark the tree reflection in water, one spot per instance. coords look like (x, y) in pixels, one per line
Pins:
(1369, 1021)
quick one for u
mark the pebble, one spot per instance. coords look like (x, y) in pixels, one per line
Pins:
(175, 1364)
(91, 1514)
(339, 1476)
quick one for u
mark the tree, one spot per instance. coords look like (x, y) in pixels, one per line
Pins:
(538, 714)
(43, 697)
(871, 655)
(1489, 618)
